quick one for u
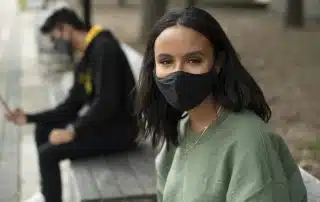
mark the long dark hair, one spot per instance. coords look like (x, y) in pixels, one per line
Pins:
(236, 89)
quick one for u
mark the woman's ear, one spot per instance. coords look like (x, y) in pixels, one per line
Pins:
(219, 59)
(217, 68)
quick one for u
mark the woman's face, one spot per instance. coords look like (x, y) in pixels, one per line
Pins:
(179, 48)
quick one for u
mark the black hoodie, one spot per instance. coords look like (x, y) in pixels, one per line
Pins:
(104, 82)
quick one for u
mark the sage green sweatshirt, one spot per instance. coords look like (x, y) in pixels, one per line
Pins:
(237, 159)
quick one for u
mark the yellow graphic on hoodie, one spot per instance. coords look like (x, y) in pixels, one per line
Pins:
(86, 80)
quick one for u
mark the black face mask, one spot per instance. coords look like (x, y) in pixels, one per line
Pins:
(63, 46)
(184, 91)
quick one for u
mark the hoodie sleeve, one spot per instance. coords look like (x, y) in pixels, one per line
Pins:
(63, 112)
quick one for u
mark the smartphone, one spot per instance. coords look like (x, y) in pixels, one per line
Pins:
(4, 104)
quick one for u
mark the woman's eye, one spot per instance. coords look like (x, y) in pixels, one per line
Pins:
(165, 62)
(194, 61)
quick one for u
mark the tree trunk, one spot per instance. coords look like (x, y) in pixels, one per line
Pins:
(294, 13)
(87, 8)
(152, 10)
(190, 3)
(121, 3)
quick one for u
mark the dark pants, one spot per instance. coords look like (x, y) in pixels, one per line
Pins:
(85, 146)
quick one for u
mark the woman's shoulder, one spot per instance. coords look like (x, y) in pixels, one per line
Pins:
(249, 131)
(245, 119)
(245, 122)
(256, 139)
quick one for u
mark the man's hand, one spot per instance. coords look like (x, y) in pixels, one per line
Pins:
(60, 136)
(17, 116)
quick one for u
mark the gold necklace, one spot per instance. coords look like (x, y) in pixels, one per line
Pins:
(203, 132)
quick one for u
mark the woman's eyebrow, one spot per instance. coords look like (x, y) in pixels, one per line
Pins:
(163, 55)
(193, 53)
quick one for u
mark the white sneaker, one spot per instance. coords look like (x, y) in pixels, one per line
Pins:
(37, 197)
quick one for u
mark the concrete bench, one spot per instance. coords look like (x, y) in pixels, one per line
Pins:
(10, 91)
(312, 185)
(127, 176)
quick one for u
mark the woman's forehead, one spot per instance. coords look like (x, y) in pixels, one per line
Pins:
(180, 39)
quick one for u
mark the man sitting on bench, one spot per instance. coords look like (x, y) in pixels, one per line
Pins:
(104, 82)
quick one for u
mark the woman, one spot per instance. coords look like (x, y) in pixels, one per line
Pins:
(196, 98)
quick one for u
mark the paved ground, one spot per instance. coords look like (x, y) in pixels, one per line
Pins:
(33, 86)
(284, 62)
(10, 92)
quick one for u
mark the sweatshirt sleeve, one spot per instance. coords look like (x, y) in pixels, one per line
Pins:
(106, 102)
(257, 173)
(64, 112)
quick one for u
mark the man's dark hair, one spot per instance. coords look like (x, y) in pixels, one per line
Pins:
(62, 16)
